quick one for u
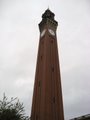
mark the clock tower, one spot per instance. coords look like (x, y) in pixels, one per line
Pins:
(47, 101)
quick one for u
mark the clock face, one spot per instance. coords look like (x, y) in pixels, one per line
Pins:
(51, 32)
(43, 32)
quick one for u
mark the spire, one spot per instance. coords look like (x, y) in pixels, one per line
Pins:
(48, 19)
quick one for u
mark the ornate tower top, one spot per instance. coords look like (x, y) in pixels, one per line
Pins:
(48, 14)
(48, 20)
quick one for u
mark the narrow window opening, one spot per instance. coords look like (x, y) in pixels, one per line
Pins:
(53, 99)
(39, 83)
(52, 69)
(41, 57)
(36, 117)
(51, 41)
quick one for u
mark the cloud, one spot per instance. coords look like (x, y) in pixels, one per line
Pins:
(76, 91)
(19, 39)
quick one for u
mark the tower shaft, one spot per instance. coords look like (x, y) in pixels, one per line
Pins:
(47, 101)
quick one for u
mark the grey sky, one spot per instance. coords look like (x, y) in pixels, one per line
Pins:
(19, 38)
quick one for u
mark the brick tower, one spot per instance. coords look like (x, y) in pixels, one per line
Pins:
(47, 101)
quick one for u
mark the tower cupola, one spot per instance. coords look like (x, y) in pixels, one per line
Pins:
(48, 14)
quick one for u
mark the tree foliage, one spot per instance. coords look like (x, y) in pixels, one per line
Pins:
(12, 110)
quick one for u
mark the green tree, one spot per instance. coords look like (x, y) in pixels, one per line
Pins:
(12, 110)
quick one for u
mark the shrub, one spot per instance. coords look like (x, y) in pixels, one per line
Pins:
(12, 110)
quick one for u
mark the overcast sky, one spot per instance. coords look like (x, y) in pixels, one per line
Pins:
(19, 38)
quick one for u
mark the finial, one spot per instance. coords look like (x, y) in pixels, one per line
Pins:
(48, 7)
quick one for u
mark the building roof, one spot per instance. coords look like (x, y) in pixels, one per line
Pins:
(84, 117)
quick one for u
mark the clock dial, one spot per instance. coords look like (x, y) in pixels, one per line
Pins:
(43, 32)
(51, 32)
